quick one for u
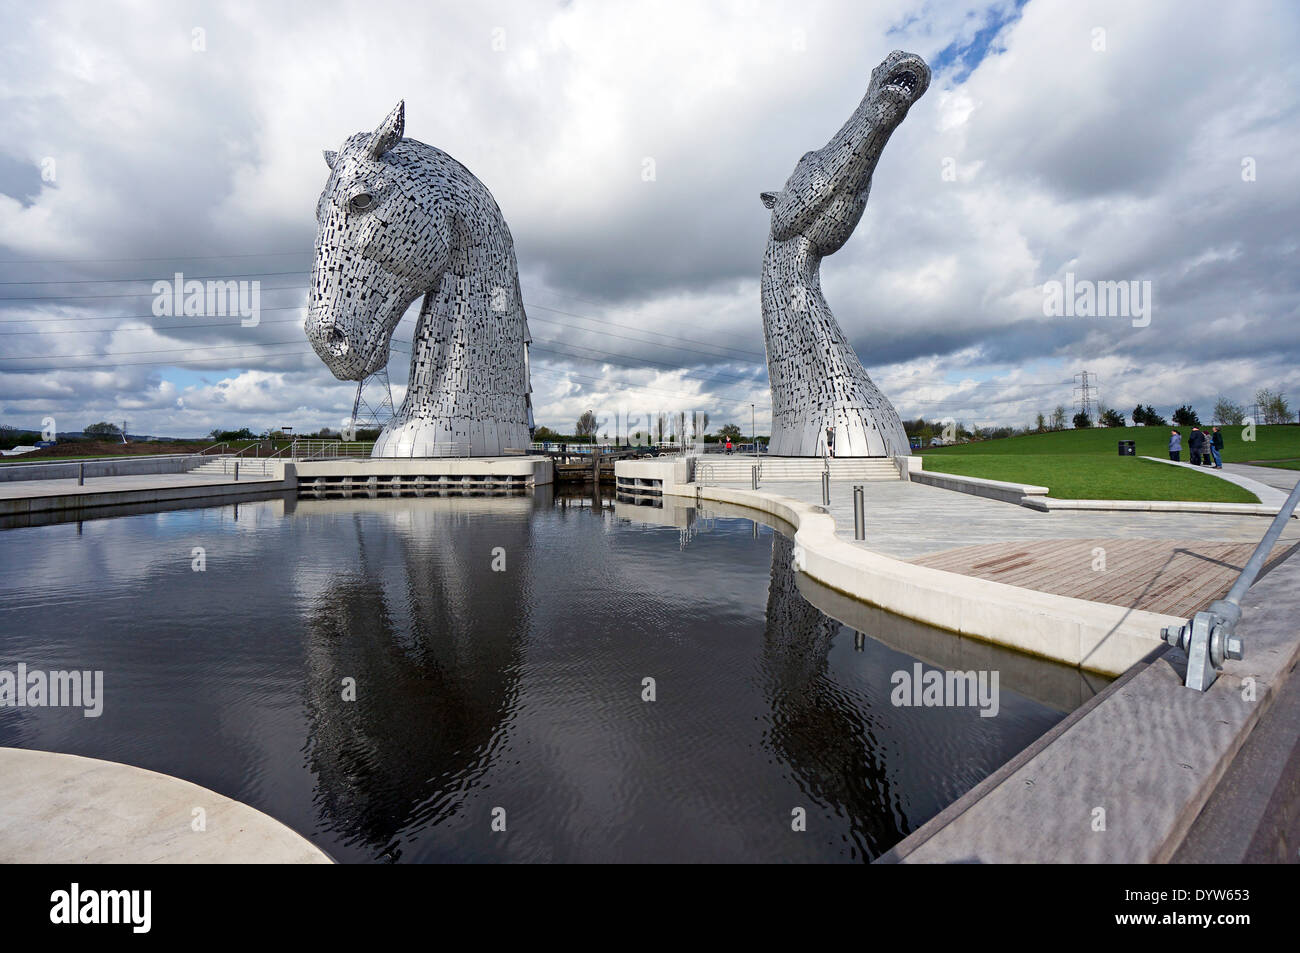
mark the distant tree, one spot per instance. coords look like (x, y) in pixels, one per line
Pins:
(1147, 417)
(1273, 406)
(586, 425)
(1040, 423)
(1228, 412)
(1058, 417)
(1185, 416)
(1082, 421)
(1111, 418)
(729, 432)
(545, 435)
(103, 429)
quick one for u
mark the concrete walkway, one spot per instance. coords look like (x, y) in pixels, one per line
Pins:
(20, 497)
(909, 520)
(1268, 494)
(65, 809)
(1279, 478)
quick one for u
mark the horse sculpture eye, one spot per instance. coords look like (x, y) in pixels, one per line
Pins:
(362, 201)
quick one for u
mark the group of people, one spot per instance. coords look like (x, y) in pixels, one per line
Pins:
(1205, 448)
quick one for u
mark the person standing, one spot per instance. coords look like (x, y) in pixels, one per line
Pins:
(1196, 444)
(830, 441)
(1175, 445)
(1216, 448)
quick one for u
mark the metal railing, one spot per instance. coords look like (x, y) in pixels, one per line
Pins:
(1209, 637)
(316, 449)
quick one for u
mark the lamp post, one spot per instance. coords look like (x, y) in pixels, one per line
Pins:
(753, 430)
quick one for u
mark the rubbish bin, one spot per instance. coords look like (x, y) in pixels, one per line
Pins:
(1128, 448)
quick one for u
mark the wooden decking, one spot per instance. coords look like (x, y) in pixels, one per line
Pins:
(1161, 575)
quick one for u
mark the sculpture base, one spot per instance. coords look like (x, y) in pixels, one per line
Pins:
(858, 433)
(450, 438)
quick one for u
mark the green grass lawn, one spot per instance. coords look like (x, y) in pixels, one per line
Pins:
(1282, 464)
(1081, 477)
(1085, 464)
(1277, 442)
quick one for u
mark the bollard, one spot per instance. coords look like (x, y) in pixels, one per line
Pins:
(753, 478)
(236, 469)
(81, 474)
(859, 517)
(826, 488)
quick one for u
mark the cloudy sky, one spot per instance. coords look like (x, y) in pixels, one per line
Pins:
(1150, 142)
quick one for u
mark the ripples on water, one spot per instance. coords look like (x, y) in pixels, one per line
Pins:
(479, 689)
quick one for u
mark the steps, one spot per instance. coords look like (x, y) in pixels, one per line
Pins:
(735, 469)
(248, 466)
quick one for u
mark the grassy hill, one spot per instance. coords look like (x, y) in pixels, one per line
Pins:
(1085, 464)
(1277, 442)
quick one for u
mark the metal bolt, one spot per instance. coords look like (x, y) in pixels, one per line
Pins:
(1232, 648)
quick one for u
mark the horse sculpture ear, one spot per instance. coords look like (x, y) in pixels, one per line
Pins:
(769, 198)
(330, 157)
(389, 132)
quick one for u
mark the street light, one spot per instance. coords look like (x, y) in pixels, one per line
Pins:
(753, 428)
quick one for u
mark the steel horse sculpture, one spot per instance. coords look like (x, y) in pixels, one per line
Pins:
(816, 378)
(399, 219)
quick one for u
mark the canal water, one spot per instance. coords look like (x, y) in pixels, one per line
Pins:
(607, 682)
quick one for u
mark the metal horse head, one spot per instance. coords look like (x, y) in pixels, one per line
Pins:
(367, 270)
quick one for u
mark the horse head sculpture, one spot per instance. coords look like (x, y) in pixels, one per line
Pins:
(399, 219)
(817, 381)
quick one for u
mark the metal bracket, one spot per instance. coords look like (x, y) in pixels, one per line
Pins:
(1209, 641)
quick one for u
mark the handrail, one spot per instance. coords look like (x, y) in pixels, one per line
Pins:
(215, 446)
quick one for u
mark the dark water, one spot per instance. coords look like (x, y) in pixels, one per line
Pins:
(478, 689)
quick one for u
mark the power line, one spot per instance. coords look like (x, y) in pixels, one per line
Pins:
(154, 278)
(68, 261)
(141, 294)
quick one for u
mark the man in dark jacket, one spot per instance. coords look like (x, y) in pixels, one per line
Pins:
(1196, 444)
(1216, 448)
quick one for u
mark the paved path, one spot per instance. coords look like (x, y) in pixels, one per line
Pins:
(911, 520)
(29, 489)
(1265, 492)
(1278, 477)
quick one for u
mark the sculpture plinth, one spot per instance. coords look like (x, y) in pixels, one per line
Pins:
(399, 219)
(816, 379)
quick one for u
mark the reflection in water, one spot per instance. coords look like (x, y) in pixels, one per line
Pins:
(419, 626)
(818, 728)
(477, 688)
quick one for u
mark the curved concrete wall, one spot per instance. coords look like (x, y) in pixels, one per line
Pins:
(1090, 635)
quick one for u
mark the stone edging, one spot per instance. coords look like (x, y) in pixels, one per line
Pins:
(1089, 635)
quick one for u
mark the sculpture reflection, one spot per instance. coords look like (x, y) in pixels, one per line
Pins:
(432, 637)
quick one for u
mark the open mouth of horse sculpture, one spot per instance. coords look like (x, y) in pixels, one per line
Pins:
(399, 219)
(821, 394)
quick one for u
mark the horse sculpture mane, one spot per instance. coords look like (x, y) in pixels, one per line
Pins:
(399, 219)
(816, 378)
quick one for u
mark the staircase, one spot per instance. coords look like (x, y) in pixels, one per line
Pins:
(248, 466)
(735, 469)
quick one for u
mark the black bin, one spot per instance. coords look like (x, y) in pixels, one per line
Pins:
(1128, 448)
